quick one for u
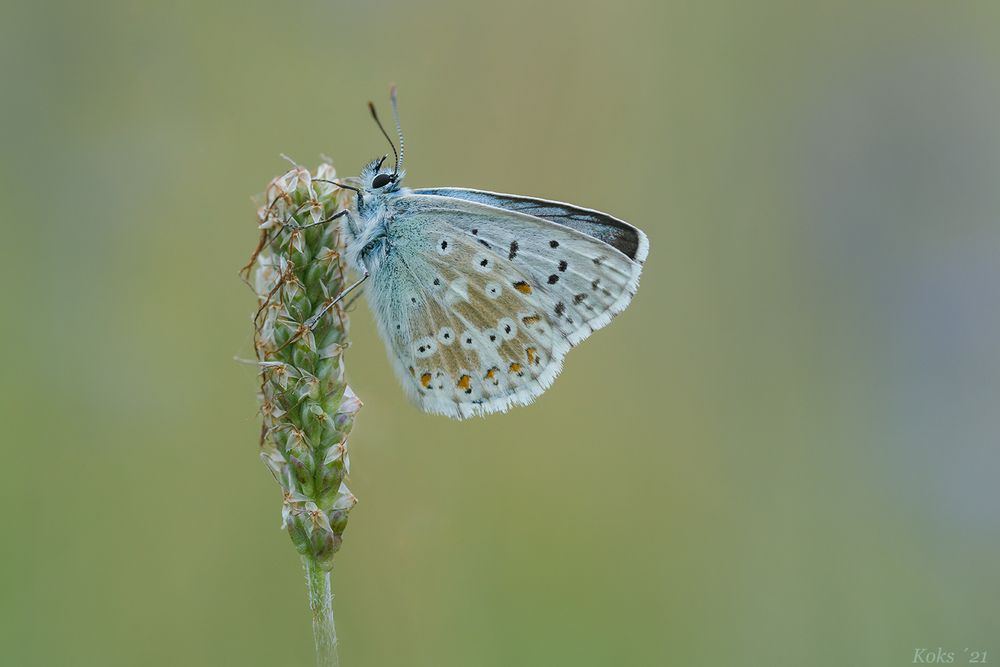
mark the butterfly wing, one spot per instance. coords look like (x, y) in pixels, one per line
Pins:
(630, 241)
(479, 304)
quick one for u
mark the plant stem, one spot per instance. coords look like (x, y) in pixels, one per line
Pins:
(321, 604)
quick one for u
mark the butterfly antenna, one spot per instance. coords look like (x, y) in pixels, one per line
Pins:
(371, 107)
(399, 129)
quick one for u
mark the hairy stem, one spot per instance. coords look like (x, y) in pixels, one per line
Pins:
(321, 604)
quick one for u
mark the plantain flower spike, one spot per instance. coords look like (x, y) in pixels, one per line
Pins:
(299, 339)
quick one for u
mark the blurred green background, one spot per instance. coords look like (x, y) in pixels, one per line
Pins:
(784, 452)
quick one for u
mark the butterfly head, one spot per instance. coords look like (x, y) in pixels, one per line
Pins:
(376, 181)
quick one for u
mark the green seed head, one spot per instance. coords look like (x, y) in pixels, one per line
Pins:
(307, 408)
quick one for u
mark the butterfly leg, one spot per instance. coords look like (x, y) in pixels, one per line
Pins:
(333, 217)
(338, 214)
(312, 321)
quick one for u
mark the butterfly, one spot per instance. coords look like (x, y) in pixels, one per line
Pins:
(480, 295)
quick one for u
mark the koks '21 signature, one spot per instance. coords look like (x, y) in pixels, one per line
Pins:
(940, 656)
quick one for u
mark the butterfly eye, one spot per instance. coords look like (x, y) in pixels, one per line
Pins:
(381, 180)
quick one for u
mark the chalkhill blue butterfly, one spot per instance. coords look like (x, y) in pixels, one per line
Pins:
(479, 295)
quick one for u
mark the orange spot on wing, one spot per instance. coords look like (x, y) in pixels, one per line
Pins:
(491, 374)
(532, 355)
(515, 367)
(522, 287)
(425, 380)
(465, 383)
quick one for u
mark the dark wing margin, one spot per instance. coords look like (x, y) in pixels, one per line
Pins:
(601, 226)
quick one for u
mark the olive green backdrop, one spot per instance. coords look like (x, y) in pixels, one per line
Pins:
(783, 453)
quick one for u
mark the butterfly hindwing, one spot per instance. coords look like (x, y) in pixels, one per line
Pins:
(479, 305)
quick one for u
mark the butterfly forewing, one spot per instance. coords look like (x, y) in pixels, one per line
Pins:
(619, 234)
